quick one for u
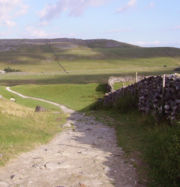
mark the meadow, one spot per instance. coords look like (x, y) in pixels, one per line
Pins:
(21, 129)
(51, 63)
(76, 96)
(76, 75)
(154, 145)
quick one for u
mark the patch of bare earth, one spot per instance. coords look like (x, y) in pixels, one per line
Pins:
(85, 154)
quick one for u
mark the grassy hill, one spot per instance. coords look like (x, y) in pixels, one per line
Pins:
(62, 43)
(90, 59)
(70, 61)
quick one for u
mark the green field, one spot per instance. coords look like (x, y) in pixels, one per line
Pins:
(74, 73)
(74, 62)
(26, 102)
(21, 129)
(75, 96)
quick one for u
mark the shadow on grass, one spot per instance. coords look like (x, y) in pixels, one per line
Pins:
(74, 79)
(153, 145)
(139, 52)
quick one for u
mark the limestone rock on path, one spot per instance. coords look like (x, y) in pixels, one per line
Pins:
(85, 156)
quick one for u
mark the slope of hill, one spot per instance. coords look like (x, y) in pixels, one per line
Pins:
(8, 44)
(85, 57)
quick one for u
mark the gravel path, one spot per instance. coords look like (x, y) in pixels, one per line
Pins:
(84, 156)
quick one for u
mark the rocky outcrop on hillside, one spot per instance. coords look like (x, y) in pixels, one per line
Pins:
(152, 96)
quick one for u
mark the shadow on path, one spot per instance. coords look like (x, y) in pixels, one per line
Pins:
(86, 155)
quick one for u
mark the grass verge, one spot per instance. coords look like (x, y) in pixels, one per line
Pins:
(21, 129)
(154, 147)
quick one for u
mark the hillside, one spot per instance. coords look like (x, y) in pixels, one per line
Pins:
(8, 44)
(96, 60)
(102, 48)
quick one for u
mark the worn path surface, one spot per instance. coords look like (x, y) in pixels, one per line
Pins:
(84, 156)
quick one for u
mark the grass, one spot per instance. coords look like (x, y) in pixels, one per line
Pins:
(21, 129)
(157, 143)
(26, 102)
(79, 59)
(95, 66)
(119, 85)
(39, 64)
(75, 96)
(101, 76)
(155, 147)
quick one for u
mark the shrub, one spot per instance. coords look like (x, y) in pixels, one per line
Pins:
(8, 70)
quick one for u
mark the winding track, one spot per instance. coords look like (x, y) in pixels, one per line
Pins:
(87, 156)
(63, 108)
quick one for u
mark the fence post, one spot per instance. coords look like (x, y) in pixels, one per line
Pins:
(123, 87)
(163, 93)
(164, 82)
(136, 77)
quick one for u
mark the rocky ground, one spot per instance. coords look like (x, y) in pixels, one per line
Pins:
(85, 154)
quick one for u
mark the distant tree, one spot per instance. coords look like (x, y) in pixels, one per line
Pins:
(8, 70)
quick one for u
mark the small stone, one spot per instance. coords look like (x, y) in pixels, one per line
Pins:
(100, 137)
(167, 107)
(106, 169)
(12, 99)
(88, 129)
(82, 185)
(40, 109)
(12, 176)
(67, 125)
(52, 165)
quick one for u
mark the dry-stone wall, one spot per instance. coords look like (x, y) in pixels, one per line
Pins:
(151, 96)
(113, 80)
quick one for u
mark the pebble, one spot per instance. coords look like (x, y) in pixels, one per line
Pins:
(52, 165)
(67, 125)
(106, 169)
(12, 176)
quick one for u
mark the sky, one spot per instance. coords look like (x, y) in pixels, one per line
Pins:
(139, 22)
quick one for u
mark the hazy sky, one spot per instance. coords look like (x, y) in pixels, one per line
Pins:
(141, 22)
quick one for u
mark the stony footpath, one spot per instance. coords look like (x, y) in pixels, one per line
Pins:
(85, 154)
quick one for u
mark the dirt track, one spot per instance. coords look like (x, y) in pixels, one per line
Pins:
(84, 156)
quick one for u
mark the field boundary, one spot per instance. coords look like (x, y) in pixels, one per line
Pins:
(62, 107)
